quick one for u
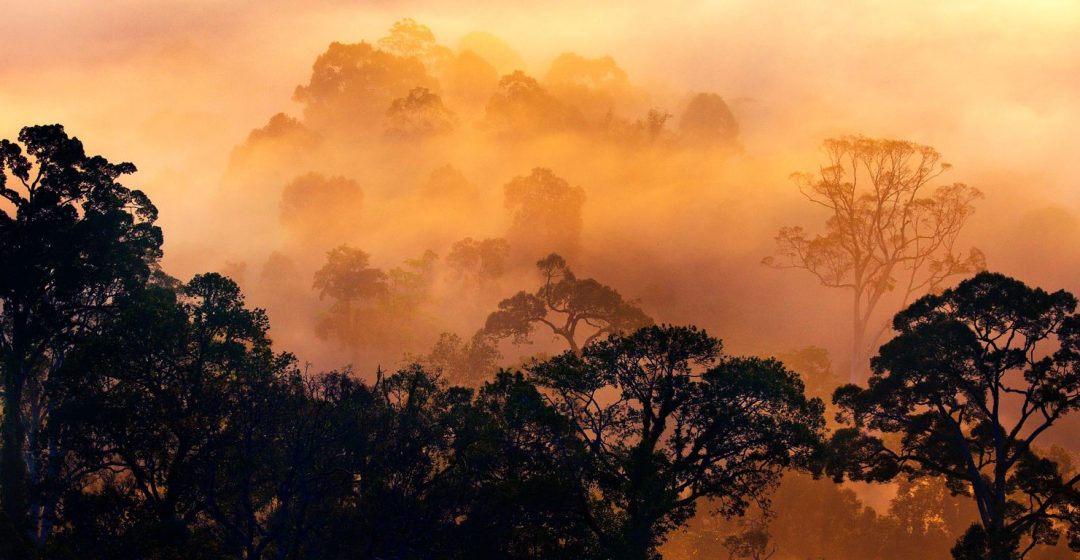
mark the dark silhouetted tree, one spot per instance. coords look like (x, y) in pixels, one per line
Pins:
(667, 420)
(974, 378)
(573, 309)
(159, 397)
(72, 241)
(886, 230)
(546, 214)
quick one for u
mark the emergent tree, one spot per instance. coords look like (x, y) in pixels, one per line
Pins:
(885, 229)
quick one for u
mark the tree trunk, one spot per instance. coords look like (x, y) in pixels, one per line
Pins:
(14, 494)
(857, 370)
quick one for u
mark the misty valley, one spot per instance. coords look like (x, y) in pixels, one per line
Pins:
(437, 297)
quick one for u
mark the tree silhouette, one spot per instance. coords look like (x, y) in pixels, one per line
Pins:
(349, 281)
(464, 363)
(885, 231)
(157, 397)
(521, 108)
(409, 39)
(371, 309)
(707, 120)
(565, 304)
(351, 86)
(667, 420)
(420, 114)
(479, 261)
(546, 213)
(974, 378)
(72, 240)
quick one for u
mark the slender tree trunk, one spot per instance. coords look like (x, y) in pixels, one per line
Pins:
(857, 370)
(14, 493)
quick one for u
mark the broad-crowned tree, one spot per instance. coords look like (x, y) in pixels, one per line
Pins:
(573, 309)
(352, 85)
(420, 114)
(522, 108)
(667, 420)
(976, 375)
(479, 261)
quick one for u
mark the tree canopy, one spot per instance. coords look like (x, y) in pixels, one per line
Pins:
(975, 377)
(564, 304)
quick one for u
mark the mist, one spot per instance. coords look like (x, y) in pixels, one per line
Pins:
(218, 106)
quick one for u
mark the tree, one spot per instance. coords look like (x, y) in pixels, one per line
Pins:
(707, 120)
(546, 213)
(320, 208)
(351, 86)
(753, 541)
(447, 185)
(409, 39)
(349, 281)
(72, 241)
(522, 108)
(564, 304)
(667, 420)
(885, 230)
(469, 80)
(976, 375)
(372, 309)
(479, 261)
(464, 363)
(420, 114)
(594, 86)
(160, 399)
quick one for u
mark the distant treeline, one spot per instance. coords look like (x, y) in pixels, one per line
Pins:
(144, 417)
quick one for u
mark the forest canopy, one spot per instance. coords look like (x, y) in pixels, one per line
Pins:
(433, 293)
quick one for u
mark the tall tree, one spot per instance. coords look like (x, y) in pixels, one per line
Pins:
(72, 240)
(567, 306)
(886, 230)
(667, 420)
(974, 378)
(372, 309)
(166, 393)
